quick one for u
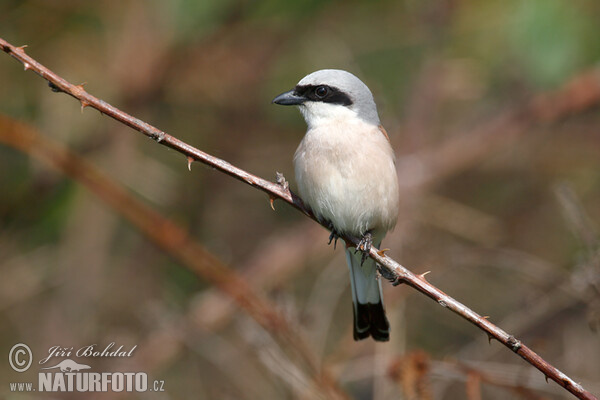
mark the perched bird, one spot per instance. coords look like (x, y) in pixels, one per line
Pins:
(346, 175)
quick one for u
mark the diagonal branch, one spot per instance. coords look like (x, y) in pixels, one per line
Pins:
(390, 269)
(175, 241)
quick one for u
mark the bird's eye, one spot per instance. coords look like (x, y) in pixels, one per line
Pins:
(321, 91)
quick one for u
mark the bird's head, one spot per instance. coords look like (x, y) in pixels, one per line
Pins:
(330, 94)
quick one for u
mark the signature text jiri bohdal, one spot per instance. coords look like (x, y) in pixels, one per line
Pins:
(92, 350)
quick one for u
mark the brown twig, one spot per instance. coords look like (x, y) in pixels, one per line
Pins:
(390, 269)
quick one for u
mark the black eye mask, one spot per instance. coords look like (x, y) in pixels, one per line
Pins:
(323, 93)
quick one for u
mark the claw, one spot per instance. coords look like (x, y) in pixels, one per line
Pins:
(280, 179)
(333, 237)
(54, 88)
(388, 275)
(365, 246)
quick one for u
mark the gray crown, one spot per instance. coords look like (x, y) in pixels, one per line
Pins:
(362, 98)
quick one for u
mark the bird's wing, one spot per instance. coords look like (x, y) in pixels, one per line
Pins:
(382, 130)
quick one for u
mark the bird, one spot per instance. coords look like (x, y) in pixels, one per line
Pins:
(346, 175)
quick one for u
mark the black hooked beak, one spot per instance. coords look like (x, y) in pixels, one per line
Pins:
(289, 99)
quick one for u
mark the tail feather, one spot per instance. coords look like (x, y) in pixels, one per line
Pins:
(370, 320)
(369, 314)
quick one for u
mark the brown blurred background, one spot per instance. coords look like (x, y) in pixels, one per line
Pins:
(500, 203)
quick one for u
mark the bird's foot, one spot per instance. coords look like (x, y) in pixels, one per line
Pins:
(281, 181)
(389, 275)
(333, 237)
(364, 246)
(279, 178)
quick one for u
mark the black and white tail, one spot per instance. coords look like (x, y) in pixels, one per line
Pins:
(369, 314)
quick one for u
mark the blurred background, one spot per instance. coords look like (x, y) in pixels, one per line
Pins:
(489, 104)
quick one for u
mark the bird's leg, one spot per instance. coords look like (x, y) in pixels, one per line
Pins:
(365, 246)
(334, 236)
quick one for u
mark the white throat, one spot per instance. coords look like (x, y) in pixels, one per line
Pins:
(318, 114)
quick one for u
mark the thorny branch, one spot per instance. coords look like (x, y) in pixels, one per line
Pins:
(569, 99)
(169, 236)
(175, 241)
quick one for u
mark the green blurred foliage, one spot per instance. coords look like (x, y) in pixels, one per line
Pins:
(553, 39)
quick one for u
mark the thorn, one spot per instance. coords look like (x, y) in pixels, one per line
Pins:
(84, 104)
(80, 88)
(490, 337)
(271, 200)
(22, 48)
(382, 252)
(422, 276)
(26, 66)
(546, 377)
(190, 161)
(486, 317)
